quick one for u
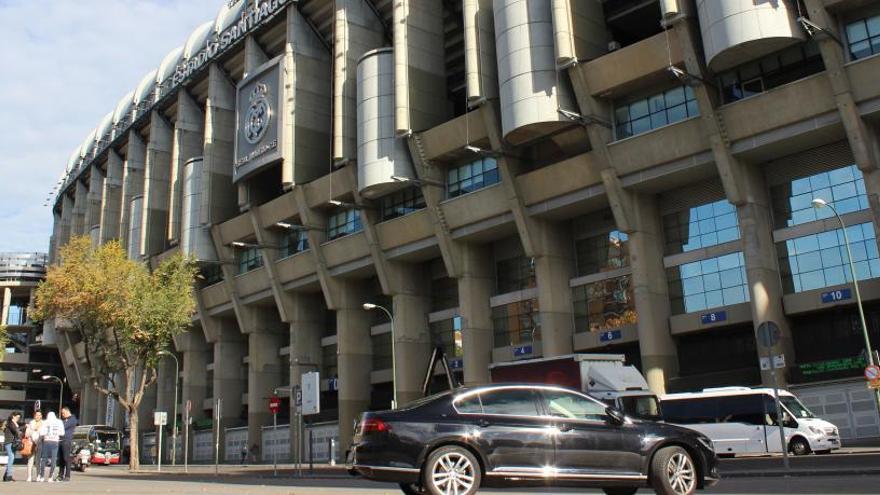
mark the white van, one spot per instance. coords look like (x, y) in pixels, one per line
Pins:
(742, 420)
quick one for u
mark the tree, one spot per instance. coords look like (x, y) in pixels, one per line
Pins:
(124, 314)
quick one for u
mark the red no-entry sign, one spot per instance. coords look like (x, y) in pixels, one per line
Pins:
(274, 404)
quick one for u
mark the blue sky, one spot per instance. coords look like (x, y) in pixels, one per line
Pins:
(67, 63)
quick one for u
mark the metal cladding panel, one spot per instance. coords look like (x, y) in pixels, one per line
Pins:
(145, 88)
(85, 151)
(380, 154)
(198, 39)
(104, 127)
(74, 159)
(529, 85)
(195, 238)
(134, 227)
(736, 31)
(169, 64)
(579, 29)
(479, 36)
(123, 108)
(229, 14)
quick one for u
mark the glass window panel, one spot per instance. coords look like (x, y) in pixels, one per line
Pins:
(857, 31)
(715, 286)
(873, 25)
(709, 266)
(693, 109)
(658, 120)
(638, 109)
(641, 125)
(817, 269)
(677, 113)
(656, 103)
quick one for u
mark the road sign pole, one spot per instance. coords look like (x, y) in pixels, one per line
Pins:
(779, 417)
(275, 444)
(159, 449)
(186, 443)
(217, 438)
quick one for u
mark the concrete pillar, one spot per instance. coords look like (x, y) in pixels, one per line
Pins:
(412, 340)
(7, 300)
(229, 382)
(189, 142)
(218, 197)
(762, 263)
(307, 318)
(264, 376)
(66, 221)
(194, 352)
(157, 176)
(357, 31)
(78, 221)
(306, 140)
(651, 292)
(93, 198)
(355, 354)
(553, 267)
(88, 405)
(132, 181)
(475, 283)
(111, 198)
(165, 386)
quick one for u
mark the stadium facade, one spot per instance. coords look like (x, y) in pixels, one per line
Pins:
(510, 179)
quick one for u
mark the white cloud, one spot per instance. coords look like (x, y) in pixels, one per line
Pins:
(67, 63)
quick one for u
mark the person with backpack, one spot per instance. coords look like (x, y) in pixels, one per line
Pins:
(51, 432)
(11, 442)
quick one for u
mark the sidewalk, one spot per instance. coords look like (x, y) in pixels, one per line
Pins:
(286, 470)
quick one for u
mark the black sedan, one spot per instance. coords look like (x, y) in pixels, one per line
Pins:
(454, 442)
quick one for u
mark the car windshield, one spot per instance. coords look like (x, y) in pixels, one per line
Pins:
(641, 406)
(795, 407)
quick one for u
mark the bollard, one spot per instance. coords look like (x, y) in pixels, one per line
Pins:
(311, 452)
(332, 450)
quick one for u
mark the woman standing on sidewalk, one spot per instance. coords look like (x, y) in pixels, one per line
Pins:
(33, 432)
(11, 440)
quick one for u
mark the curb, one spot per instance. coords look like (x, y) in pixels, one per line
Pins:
(800, 472)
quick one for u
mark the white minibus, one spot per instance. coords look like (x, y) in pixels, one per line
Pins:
(742, 420)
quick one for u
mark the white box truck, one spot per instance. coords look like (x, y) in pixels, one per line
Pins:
(606, 377)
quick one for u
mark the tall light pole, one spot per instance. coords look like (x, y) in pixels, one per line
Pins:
(370, 307)
(60, 392)
(821, 203)
(174, 417)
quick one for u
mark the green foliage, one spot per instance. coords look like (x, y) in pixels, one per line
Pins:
(124, 313)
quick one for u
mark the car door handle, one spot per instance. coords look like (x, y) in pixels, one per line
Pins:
(563, 428)
(482, 423)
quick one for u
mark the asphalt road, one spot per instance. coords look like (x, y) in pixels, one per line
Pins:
(116, 480)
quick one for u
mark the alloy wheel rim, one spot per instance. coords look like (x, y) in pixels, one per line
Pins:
(453, 474)
(680, 473)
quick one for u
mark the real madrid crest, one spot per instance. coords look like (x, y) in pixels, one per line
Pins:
(259, 114)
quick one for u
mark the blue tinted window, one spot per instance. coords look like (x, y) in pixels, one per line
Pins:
(343, 223)
(655, 111)
(249, 259)
(792, 201)
(863, 37)
(709, 283)
(294, 241)
(471, 177)
(701, 226)
(819, 260)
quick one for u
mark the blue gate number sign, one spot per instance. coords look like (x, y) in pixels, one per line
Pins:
(523, 350)
(836, 295)
(610, 335)
(714, 317)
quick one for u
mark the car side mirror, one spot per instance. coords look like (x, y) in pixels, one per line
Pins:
(614, 416)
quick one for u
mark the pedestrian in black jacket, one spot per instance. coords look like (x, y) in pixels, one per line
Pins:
(70, 424)
(11, 440)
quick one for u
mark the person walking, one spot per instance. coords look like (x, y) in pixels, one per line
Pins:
(33, 432)
(70, 424)
(50, 434)
(11, 441)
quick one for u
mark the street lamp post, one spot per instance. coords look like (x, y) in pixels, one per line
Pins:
(369, 307)
(174, 417)
(821, 203)
(60, 392)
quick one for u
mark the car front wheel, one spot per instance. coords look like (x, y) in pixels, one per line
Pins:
(799, 446)
(673, 472)
(451, 470)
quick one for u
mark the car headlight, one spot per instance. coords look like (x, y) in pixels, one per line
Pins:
(817, 431)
